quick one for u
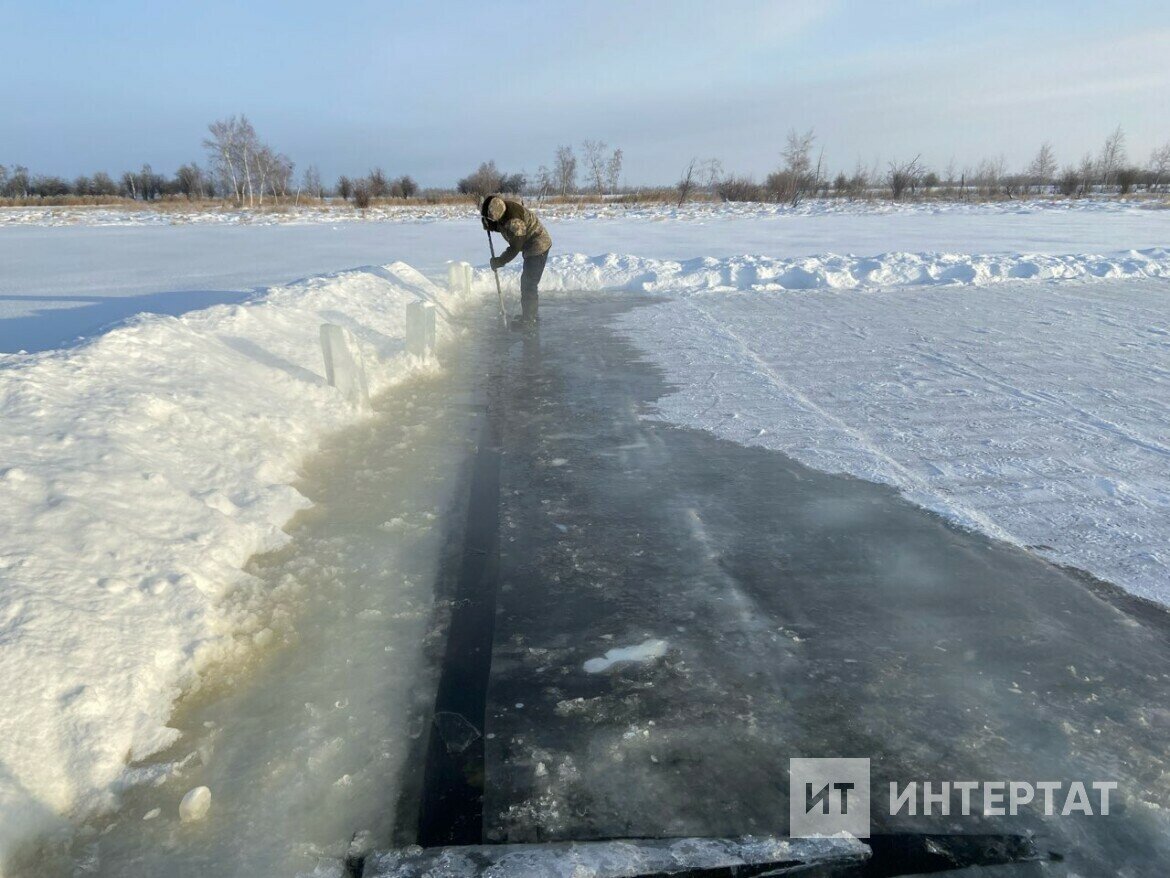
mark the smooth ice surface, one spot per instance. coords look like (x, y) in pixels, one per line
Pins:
(807, 614)
(63, 282)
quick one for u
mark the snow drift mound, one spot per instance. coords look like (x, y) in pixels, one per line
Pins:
(140, 473)
(762, 273)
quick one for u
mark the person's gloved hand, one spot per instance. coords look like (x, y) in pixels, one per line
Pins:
(497, 262)
(484, 221)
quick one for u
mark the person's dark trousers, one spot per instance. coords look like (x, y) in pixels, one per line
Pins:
(529, 281)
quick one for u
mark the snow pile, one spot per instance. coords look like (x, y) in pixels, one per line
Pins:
(763, 273)
(140, 473)
(650, 211)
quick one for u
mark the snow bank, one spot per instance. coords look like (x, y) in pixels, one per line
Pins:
(648, 211)
(140, 473)
(827, 272)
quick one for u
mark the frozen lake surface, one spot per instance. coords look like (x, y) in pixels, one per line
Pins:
(59, 283)
(674, 616)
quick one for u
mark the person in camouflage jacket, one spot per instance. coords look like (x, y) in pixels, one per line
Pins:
(524, 233)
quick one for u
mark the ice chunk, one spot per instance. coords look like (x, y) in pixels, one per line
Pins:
(459, 277)
(195, 804)
(420, 329)
(344, 368)
(456, 730)
(642, 652)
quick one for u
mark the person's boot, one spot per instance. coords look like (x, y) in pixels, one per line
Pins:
(529, 318)
(521, 322)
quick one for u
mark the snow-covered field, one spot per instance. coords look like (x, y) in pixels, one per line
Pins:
(1006, 366)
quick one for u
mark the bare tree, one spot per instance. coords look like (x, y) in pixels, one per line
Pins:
(797, 178)
(379, 187)
(1112, 157)
(613, 171)
(484, 181)
(711, 172)
(1160, 165)
(544, 182)
(102, 184)
(311, 182)
(565, 170)
(272, 172)
(18, 182)
(1127, 178)
(740, 189)
(687, 183)
(797, 152)
(223, 151)
(903, 176)
(1087, 174)
(1043, 167)
(232, 149)
(595, 166)
(405, 186)
(129, 186)
(512, 183)
(344, 187)
(189, 180)
(362, 196)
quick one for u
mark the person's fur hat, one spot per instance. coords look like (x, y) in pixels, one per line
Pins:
(494, 208)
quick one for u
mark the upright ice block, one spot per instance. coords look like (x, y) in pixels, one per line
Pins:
(420, 329)
(344, 368)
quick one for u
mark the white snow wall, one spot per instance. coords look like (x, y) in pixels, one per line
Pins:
(138, 475)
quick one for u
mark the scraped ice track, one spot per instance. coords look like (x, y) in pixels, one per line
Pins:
(757, 610)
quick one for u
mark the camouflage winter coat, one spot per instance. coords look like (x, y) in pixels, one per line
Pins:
(521, 229)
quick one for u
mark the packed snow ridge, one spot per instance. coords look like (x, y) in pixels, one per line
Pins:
(140, 473)
(828, 272)
(114, 215)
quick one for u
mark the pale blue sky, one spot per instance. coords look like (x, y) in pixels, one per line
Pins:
(432, 88)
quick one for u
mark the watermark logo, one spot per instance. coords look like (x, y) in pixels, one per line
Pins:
(828, 796)
(832, 796)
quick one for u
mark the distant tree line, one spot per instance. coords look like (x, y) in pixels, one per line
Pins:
(802, 174)
(244, 170)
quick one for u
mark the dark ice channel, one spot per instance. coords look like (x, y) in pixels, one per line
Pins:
(677, 616)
